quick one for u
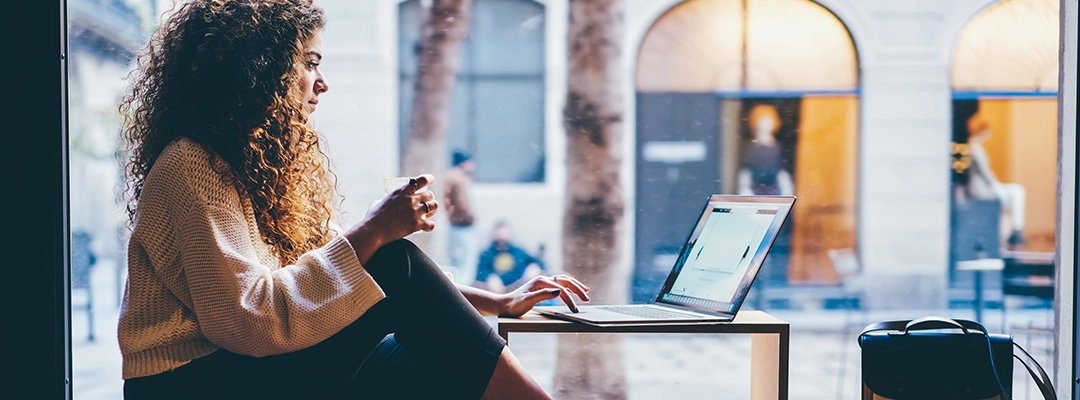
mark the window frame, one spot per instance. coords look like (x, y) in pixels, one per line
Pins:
(37, 346)
(37, 356)
(1067, 363)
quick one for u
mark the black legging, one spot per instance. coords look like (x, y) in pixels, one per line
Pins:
(446, 348)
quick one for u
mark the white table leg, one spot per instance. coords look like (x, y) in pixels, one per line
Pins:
(764, 366)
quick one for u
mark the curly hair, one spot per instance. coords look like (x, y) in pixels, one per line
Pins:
(225, 74)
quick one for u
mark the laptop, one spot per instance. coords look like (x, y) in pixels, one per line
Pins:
(713, 272)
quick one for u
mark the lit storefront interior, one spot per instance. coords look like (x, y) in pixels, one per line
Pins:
(712, 78)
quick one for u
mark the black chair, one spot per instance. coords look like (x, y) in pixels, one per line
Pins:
(1029, 275)
(82, 262)
(975, 230)
(975, 236)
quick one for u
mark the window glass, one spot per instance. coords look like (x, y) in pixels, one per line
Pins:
(775, 106)
(1004, 190)
(917, 141)
(500, 85)
(498, 106)
(103, 36)
(507, 38)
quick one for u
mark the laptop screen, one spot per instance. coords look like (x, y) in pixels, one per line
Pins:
(724, 252)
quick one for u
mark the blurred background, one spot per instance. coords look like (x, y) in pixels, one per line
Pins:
(920, 138)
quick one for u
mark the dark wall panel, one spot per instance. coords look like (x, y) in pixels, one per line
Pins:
(674, 179)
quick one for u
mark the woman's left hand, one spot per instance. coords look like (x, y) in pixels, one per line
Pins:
(540, 288)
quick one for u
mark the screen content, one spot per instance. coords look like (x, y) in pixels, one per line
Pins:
(721, 253)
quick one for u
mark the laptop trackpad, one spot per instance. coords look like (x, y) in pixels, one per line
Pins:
(610, 313)
(587, 312)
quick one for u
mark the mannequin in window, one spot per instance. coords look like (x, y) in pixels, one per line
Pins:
(762, 171)
(984, 185)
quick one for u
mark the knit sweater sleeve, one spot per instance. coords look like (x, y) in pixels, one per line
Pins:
(250, 307)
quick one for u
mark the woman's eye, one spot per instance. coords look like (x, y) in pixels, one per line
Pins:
(311, 64)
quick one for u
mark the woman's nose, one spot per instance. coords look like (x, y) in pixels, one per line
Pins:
(320, 84)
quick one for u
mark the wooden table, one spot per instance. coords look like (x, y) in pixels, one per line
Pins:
(769, 346)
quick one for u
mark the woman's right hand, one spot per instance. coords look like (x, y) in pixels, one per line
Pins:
(406, 210)
(540, 288)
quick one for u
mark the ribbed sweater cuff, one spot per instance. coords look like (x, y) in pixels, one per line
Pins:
(341, 254)
(156, 360)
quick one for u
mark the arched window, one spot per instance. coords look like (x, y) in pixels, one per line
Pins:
(497, 110)
(708, 72)
(1004, 172)
(1009, 50)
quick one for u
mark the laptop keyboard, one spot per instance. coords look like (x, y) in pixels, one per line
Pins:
(648, 312)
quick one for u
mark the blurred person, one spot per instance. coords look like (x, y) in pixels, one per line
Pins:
(457, 196)
(763, 170)
(984, 185)
(505, 266)
(240, 285)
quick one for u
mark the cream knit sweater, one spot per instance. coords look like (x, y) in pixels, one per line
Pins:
(201, 278)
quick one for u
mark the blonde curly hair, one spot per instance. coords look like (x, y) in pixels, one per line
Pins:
(224, 73)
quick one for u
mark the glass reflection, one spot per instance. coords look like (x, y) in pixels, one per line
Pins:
(730, 96)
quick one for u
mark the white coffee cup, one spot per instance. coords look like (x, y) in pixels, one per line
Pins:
(393, 183)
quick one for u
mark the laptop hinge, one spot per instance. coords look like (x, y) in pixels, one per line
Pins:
(692, 310)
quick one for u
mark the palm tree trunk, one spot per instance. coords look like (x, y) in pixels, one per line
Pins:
(590, 365)
(446, 22)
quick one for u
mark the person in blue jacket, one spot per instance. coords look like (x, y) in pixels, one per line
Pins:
(504, 266)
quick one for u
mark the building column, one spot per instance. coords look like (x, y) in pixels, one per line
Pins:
(904, 182)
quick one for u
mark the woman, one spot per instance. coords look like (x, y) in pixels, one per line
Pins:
(239, 284)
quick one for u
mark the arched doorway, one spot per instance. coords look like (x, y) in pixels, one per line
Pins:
(708, 72)
(1004, 167)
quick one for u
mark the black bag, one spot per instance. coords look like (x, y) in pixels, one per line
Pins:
(937, 358)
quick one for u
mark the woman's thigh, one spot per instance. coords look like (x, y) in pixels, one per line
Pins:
(389, 372)
(453, 347)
